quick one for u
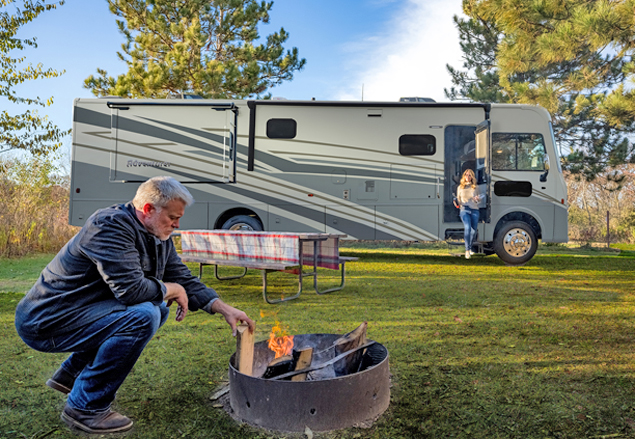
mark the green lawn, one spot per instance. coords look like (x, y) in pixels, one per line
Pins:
(477, 349)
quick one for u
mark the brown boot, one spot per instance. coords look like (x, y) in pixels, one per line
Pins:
(103, 422)
(61, 381)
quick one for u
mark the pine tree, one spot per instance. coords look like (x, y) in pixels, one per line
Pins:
(572, 57)
(479, 82)
(26, 131)
(210, 48)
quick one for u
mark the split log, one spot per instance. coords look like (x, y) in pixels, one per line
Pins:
(305, 357)
(349, 363)
(350, 341)
(244, 349)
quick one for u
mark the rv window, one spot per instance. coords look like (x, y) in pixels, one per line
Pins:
(281, 128)
(518, 152)
(417, 144)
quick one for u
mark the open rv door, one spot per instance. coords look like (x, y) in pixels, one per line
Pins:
(484, 168)
(192, 142)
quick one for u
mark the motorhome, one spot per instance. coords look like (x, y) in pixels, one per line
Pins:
(370, 170)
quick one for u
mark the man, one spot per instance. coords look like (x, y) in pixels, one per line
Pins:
(102, 298)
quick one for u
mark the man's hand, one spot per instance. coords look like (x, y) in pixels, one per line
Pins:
(232, 315)
(176, 293)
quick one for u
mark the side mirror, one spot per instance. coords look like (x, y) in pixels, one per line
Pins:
(543, 177)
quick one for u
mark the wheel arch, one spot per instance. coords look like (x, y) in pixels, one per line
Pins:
(230, 213)
(525, 217)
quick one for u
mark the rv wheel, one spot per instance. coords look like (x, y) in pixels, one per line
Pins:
(243, 222)
(515, 243)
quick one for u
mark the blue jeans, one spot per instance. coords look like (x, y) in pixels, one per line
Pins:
(104, 352)
(470, 219)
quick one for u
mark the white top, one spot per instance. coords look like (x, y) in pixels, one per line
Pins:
(465, 196)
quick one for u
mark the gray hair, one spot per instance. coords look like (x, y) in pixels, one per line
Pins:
(159, 191)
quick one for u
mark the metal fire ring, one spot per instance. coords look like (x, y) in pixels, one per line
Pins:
(321, 405)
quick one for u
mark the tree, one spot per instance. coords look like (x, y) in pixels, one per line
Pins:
(573, 57)
(210, 48)
(27, 131)
(479, 82)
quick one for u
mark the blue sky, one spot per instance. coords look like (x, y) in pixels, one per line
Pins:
(370, 49)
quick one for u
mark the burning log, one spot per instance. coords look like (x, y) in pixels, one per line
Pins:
(342, 357)
(327, 364)
(244, 349)
(279, 366)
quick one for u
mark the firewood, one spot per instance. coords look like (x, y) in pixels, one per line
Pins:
(348, 363)
(312, 369)
(279, 366)
(349, 341)
(304, 360)
(244, 349)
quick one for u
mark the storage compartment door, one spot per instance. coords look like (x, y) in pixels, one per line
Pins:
(193, 144)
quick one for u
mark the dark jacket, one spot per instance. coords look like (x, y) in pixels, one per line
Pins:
(111, 263)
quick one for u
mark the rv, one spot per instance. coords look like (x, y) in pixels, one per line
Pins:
(370, 170)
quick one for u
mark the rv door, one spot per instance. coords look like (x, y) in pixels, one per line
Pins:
(192, 142)
(483, 168)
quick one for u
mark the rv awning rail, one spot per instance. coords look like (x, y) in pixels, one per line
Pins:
(216, 106)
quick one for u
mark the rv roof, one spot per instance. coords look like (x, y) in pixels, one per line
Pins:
(416, 99)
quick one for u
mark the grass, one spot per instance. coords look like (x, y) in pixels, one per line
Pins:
(477, 349)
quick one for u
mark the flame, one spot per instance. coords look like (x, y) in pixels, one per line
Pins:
(279, 341)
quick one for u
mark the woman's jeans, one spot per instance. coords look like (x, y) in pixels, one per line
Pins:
(470, 219)
(104, 352)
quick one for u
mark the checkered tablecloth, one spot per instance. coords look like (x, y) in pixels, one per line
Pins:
(260, 246)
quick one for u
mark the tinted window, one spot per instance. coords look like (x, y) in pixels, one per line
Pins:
(512, 188)
(518, 152)
(281, 128)
(417, 144)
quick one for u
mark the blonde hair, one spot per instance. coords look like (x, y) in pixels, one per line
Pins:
(464, 182)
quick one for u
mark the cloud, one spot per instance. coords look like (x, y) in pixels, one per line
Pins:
(406, 58)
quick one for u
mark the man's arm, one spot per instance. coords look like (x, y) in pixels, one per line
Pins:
(199, 295)
(176, 293)
(232, 315)
(111, 245)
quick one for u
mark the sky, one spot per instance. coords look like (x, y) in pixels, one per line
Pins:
(371, 50)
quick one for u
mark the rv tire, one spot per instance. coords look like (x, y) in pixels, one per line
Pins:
(243, 222)
(515, 243)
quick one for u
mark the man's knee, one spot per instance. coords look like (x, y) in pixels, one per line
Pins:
(147, 317)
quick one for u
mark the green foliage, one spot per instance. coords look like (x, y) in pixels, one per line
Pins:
(479, 82)
(476, 350)
(573, 57)
(34, 208)
(208, 48)
(27, 131)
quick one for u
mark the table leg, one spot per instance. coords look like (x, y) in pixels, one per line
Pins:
(343, 280)
(284, 299)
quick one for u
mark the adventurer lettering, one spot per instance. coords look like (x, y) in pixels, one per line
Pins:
(136, 163)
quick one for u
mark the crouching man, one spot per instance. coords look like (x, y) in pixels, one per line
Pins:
(102, 299)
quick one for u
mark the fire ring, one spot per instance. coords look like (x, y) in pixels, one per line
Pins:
(322, 405)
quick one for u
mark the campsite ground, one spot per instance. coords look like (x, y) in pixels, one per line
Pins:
(477, 349)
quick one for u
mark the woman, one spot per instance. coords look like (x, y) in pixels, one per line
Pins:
(467, 198)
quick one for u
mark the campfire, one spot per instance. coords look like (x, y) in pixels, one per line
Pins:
(320, 381)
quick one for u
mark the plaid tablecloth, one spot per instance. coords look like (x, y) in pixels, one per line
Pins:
(261, 246)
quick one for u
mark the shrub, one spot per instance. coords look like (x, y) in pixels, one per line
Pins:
(33, 207)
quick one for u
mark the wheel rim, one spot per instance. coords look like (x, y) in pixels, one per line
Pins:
(242, 226)
(517, 242)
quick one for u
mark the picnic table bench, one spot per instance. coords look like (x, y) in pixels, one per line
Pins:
(266, 251)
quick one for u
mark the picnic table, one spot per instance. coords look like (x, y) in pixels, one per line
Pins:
(287, 252)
